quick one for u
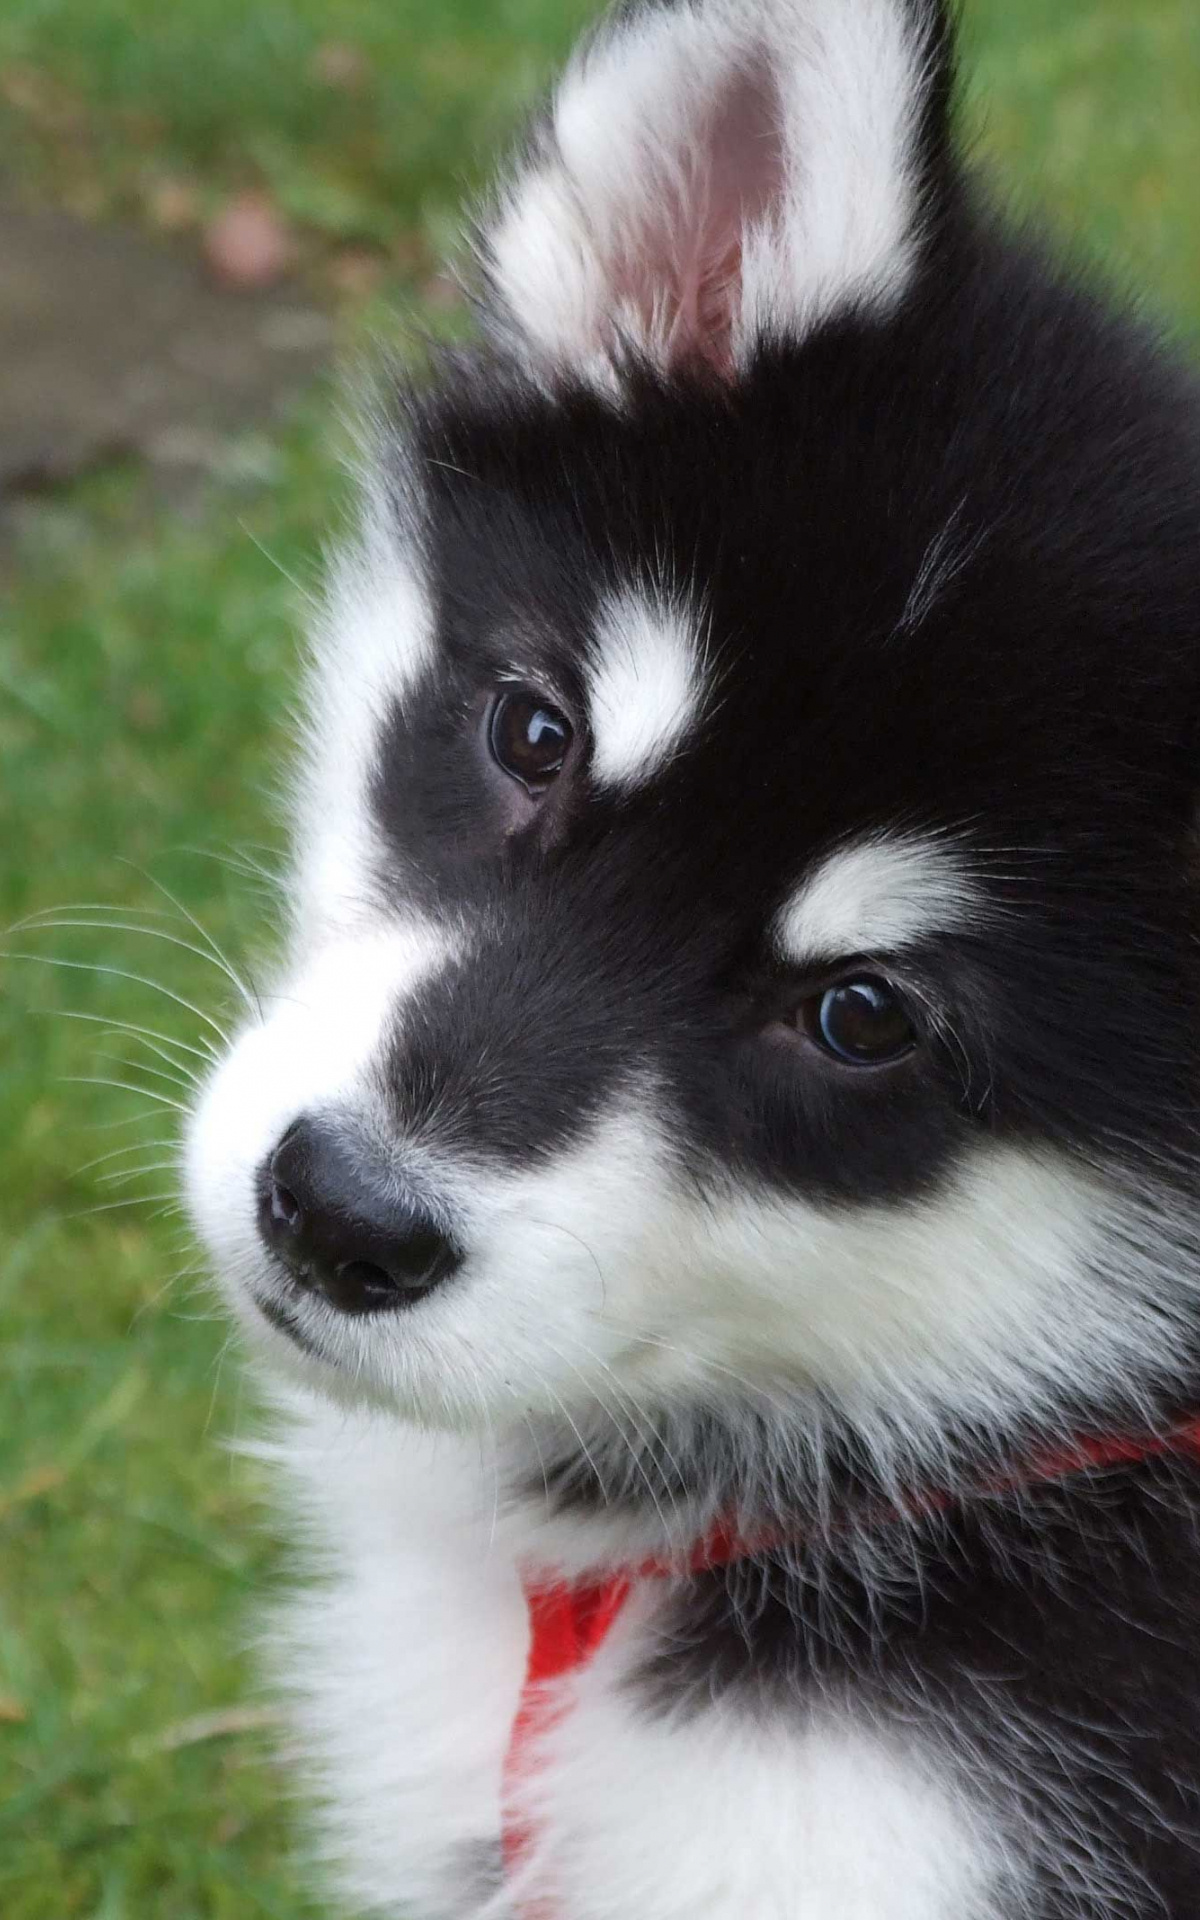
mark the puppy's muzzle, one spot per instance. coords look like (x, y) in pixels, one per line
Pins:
(343, 1226)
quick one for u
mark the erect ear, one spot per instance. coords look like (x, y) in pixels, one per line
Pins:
(712, 170)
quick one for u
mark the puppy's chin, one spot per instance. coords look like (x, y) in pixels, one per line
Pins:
(301, 1347)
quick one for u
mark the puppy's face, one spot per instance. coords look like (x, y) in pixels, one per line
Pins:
(743, 936)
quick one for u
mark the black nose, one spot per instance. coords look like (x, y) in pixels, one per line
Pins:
(328, 1214)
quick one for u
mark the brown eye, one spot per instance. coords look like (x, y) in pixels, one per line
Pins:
(862, 1021)
(529, 738)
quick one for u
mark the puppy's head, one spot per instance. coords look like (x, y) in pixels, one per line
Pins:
(743, 911)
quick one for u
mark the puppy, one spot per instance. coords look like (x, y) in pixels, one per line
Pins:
(717, 1184)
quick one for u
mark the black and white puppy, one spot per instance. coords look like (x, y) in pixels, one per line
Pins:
(738, 1062)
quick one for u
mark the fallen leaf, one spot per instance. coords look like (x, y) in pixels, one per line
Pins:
(249, 243)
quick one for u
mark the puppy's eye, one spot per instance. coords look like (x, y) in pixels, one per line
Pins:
(862, 1021)
(528, 737)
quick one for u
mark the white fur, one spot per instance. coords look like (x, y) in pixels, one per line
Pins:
(593, 242)
(373, 643)
(402, 1656)
(721, 1812)
(646, 687)
(312, 1050)
(877, 896)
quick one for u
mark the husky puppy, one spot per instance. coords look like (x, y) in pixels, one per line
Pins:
(724, 1143)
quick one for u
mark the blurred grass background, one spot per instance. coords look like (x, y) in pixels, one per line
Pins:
(146, 664)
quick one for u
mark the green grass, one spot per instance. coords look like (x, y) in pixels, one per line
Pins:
(105, 98)
(144, 676)
(145, 668)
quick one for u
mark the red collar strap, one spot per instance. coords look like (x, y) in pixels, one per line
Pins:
(570, 1623)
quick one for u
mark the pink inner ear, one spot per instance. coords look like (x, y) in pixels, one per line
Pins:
(682, 272)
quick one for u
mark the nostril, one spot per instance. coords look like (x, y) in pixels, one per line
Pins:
(418, 1257)
(364, 1273)
(286, 1210)
(357, 1286)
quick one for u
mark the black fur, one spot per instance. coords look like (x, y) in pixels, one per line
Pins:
(1041, 715)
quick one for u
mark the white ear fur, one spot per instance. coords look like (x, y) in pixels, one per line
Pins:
(716, 170)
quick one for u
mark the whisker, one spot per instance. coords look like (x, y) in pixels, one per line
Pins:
(111, 1206)
(168, 1286)
(82, 906)
(651, 1440)
(182, 1075)
(126, 1120)
(489, 1433)
(124, 1026)
(141, 1066)
(308, 595)
(758, 1390)
(246, 985)
(575, 1430)
(51, 922)
(246, 850)
(123, 1178)
(122, 1086)
(240, 862)
(119, 973)
(647, 1437)
(218, 1370)
(537, 1447)
(120, 1153)
(670, 1530)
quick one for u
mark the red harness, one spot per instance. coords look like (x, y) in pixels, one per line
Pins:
(570, 1623)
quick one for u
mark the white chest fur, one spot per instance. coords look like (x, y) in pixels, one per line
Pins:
(715, 1812)
(404, 1659)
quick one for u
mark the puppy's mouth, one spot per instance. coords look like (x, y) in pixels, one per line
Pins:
(303, 1313)
(285, 1320)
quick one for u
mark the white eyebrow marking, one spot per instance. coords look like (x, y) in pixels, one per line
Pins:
(646, 685)
(877, 895)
